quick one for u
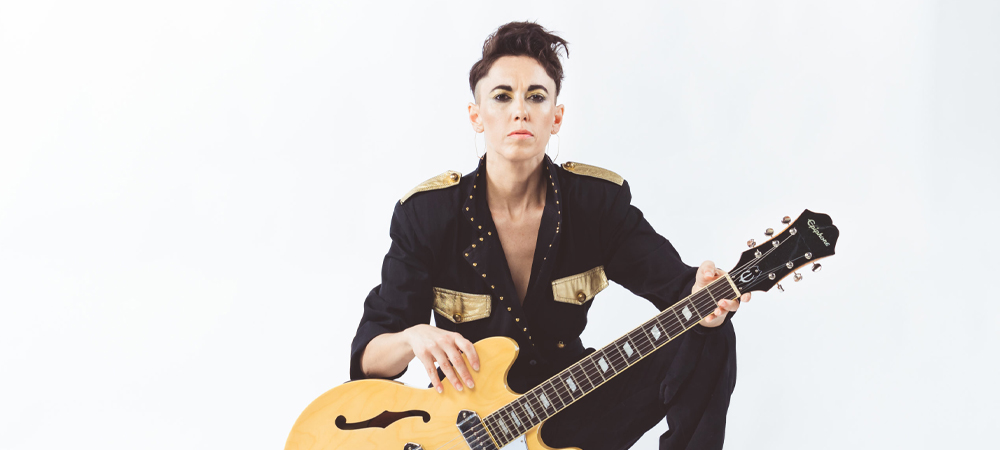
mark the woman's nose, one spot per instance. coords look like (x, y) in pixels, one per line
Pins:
(520, 112)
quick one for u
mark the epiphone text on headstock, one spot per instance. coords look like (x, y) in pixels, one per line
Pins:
(812, 226)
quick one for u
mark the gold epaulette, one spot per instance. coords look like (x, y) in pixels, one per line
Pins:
(593, 171)
(447, 179)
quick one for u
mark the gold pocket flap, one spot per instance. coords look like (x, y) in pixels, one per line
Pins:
(580, 288)
(460, 307)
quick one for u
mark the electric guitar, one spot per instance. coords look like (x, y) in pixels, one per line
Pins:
(387, 415)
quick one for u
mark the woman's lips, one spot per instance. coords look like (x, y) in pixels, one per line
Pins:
(522, 134)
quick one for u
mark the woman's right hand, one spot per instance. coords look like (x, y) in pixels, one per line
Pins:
(432, 344)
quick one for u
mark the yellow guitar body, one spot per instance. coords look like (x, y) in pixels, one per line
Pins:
(339, 418)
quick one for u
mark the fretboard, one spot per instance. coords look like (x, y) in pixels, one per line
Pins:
(545, 400)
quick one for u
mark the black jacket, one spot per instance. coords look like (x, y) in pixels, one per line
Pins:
(446, 257)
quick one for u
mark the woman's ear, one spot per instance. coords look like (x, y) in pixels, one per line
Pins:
(474, 119)
(557, 123)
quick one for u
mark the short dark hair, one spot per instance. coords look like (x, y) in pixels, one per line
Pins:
(521, 39)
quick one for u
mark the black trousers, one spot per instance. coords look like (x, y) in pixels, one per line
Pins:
(689, 381)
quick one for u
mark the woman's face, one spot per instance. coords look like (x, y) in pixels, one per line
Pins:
(516, 109)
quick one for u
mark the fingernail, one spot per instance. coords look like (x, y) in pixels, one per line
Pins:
(459, 387)
(475, 367)
(471, 384)
(440, 390)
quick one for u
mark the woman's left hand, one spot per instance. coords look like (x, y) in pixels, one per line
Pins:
(706, 274)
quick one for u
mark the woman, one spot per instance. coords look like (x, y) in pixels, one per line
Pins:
(519, 248)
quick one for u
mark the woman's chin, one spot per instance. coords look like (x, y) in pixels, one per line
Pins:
(521, 153)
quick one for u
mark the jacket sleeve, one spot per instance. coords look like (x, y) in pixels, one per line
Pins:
(404, 297)
(640, 259)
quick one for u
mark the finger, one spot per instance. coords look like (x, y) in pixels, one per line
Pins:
(708, 271)
(459, 364)
(745, 297)
(432, 372)
(729, 305)
(445, 365)
(470, 352)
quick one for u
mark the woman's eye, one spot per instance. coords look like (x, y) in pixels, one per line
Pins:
(501, 97)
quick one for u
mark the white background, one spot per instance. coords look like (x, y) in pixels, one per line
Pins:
(195, 199)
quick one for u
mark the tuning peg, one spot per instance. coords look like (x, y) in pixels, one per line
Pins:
(780, 288)
(769, 232)
(751, 243)
(817, 267)
(786, 220)
(798, 276)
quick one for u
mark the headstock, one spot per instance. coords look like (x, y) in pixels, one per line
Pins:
(811, 237)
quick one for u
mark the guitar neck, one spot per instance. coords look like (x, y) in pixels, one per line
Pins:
(583, 377)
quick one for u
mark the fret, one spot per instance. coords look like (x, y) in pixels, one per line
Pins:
(504, 432)
(677, 317)
(519, 422)
(594, 370)
(685, 314)
(591, 372)
(571, 387)
(628, 350)
(512, 421)
(560, 389)
(529, 413)
(540, 407)
(645, 330)
(606, 369)
(553, 393)
(543, 398)
(655, 331)
(642, 341)
(581, 378)
(617, 359)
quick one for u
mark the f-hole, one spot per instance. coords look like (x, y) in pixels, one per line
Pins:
(382, 420)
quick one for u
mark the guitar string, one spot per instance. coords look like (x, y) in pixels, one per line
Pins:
(632, 337)
(590, 374)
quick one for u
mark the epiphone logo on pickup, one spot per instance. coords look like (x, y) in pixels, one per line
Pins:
(812, 226)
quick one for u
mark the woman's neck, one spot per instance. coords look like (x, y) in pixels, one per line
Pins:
(514, 187)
